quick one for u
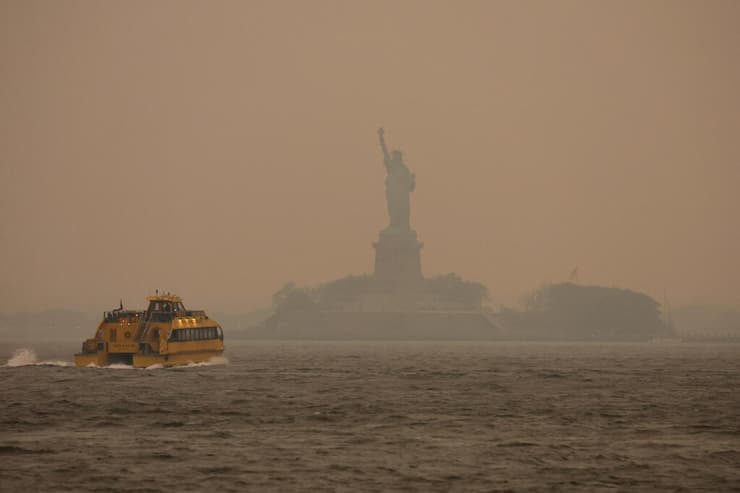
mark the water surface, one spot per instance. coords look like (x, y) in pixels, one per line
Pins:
(377, 416)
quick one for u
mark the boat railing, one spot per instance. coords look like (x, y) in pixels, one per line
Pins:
(116, 315)
(169, 316)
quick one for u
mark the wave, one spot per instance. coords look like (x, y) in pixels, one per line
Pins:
(27, 357)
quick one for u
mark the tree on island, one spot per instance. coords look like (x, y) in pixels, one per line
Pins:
(448, 289)
(345, 290)
(573, 311)
(293, 298)
(451, 288)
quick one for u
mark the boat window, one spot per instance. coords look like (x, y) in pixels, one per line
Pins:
(220, 332)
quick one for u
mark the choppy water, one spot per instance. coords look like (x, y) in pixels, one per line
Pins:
(375, 416)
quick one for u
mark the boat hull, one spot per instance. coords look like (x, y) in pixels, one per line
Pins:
(147, 360)
(203, 356)
(94, 359)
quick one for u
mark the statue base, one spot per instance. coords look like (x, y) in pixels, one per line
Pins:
(398, 258)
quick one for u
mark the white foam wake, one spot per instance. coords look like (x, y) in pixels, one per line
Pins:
(216, 360)
(112, 366)
(27, 357)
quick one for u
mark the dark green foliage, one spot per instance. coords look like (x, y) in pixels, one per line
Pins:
(451, 288)
(345, 289)
(572, 311)
(292, 298)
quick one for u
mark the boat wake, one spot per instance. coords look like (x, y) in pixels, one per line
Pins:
(114, 366)
(216, 360)
(27, 357)
(122, 366)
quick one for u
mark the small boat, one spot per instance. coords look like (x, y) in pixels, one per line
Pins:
(164, 334)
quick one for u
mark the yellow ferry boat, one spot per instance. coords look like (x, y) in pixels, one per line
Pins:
(164, 334)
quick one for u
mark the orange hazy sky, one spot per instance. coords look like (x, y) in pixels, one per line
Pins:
(219, 149)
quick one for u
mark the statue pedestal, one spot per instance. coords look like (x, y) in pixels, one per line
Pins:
(398, 258)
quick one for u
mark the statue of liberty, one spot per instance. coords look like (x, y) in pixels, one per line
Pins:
(399, 183)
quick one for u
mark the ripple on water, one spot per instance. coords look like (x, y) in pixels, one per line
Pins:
(377, 417)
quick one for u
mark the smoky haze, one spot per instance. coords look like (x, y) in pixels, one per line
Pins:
(220, 149)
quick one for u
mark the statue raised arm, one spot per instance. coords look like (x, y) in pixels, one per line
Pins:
(386, 155)
(399, 183)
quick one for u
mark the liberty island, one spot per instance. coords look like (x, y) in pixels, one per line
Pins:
(396, 300)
